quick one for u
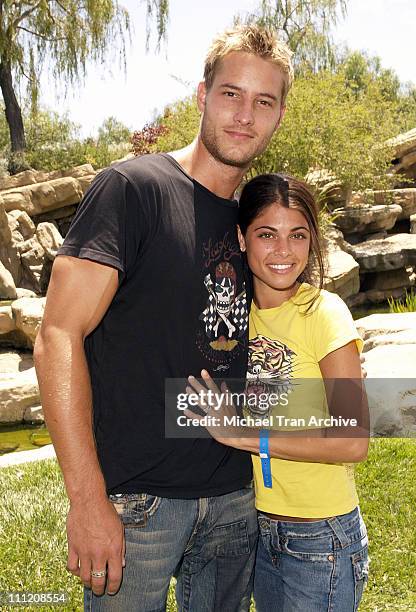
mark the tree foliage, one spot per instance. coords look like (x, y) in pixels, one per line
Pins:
(305, 25)
(330, 124)
(54, 142)
(60, 36)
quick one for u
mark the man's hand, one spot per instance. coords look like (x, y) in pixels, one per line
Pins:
(96, 543)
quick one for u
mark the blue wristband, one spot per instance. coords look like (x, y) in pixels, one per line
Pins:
(265, 458)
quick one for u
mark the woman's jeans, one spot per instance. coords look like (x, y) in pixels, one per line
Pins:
(318, 566)
(209, 544)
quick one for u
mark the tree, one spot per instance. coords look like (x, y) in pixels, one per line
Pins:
(305, 25)
(112, 131)
(63, 35)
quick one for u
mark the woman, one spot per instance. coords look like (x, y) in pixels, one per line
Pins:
(312, 552)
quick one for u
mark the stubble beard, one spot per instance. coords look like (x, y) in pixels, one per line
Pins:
(213, 147)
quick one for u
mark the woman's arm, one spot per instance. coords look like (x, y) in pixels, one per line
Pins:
(341, 371)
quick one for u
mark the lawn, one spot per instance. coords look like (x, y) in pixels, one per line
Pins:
(33, 545)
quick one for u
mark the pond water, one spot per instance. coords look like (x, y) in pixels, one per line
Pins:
(16, 438)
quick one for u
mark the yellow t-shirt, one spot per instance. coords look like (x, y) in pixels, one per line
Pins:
(288, 343)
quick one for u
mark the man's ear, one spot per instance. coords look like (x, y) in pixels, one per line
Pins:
(201, 94)
(281, 115)
(241, 239)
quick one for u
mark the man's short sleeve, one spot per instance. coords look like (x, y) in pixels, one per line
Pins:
(334, 326)
(98, 230)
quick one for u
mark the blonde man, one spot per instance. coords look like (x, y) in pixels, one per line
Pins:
(153, 262)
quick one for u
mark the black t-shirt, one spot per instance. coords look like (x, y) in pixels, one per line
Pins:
(180, 307)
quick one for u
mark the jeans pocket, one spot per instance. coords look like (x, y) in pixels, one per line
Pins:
(360, 565)
(232, 539)
(135, 509)
(315, 549)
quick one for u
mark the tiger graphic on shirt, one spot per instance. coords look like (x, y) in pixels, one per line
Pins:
(269, 371)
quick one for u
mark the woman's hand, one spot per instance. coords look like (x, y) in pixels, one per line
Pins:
(216, 403)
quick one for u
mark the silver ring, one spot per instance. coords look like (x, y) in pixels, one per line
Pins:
(98, 574)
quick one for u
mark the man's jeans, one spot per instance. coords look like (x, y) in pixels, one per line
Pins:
(209, 544)
(320, 566)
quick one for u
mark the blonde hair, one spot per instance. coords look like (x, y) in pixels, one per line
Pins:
(253, 39)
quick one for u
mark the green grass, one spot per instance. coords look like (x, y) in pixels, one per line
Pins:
(405, 304)
(33, 542)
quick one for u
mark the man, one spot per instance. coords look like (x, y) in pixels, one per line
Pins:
(148, 286)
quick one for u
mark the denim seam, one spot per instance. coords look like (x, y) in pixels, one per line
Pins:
(332, 583)
(202, 510)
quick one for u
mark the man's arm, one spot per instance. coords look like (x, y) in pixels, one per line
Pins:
(79, 294)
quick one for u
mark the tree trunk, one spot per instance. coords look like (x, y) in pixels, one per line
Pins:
(13, 112)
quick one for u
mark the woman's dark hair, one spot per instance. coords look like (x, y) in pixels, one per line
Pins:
(290, 192)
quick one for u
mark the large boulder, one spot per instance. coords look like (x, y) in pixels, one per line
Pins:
(35, 199)
(342, 274)
(406, 198)
(18, 386)
(30, 177)
(391, 253)
(9, 255)
(7, 286)
(366, 219)
(390, 357)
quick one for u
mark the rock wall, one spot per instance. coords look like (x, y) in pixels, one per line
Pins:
(36, 209)
(371, 249)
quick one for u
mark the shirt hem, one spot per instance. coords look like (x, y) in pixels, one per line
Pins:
(173, 493)
(322, 512)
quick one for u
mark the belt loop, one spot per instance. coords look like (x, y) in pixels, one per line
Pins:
(338, 529)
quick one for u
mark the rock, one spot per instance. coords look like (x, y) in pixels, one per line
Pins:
(49, 238)
(366, 219)
(385, 324)
(21, 225)
(32, 256)
(357, 300)
(330, 189)
(407, 336)
(7, 323)
(413, 224)
(406, 198)
(9, 255)
(52, 215)
(390, 358)
(381, 286)
(18, 386)
(392, 253)
(37, 198)
(30, 177)
(377, 296)
(342, 274)
(403, 143)
(391, 388)
(376, 236)
(25, 292)
(33, 414)
(7, 286)
(27, 313)
(383, 281)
